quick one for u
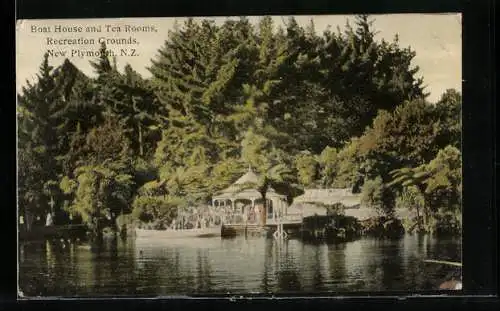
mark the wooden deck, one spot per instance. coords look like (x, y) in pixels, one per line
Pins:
(287, 222)
(231, 230)
(290, 219)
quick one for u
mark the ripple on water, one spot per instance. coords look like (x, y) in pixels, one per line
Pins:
(152, 268)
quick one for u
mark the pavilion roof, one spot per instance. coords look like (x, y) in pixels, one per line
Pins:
(245, 187)
(249, 177)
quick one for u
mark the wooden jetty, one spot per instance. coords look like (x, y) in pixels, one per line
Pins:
(232, 230)
(283, 227)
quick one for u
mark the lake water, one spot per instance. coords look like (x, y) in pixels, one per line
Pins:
(234, 266)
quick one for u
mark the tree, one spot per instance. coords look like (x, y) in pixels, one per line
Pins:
(77, 108)
(328, 166)
(449, 111)
(107, 142)
(100, 192)
(372, 193)
(272, 164)
(102, 184)
(225, 172)
(102, 66)
(38, 107)
(200, 69)
(159, 210)
(307, 168)
(444, 186)
(349, 162)
(408, 137)
(438, 181)
(104, 86)
(136, 104)
(362, 76)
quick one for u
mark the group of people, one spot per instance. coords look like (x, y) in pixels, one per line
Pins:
(203, 217)
(195, 218)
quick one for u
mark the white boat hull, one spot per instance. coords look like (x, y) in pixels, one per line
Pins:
(178, 234)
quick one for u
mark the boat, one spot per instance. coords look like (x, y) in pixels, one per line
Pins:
(452, 284)
(178, 234)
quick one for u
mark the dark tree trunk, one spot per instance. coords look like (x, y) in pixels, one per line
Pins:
(141, 148)
(426, 212)
(421, 187)
(419, 226)
(114, 225)
(264, 209)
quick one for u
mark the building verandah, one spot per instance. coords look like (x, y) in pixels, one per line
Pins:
(243, 204)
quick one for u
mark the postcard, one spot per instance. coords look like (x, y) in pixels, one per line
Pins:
(239, 155)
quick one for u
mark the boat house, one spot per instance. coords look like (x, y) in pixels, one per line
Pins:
(244, 203)
(314, 202)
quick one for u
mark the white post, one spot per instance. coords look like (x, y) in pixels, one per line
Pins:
(280, 233)
(274, 210)
(245, 214)
(253, 210)
(52, 203)
(232, 210)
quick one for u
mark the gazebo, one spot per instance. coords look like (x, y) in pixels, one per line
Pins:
(243, 198)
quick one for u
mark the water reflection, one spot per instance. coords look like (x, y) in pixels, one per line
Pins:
(253, 265)
(287, 272)
(266, 278)
(337, 265)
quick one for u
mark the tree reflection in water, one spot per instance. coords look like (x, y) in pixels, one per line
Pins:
(266, 284)
(239, 266)
(392, 267)
(317, 278)
(203, 282)
(336, 265)
(286, 271)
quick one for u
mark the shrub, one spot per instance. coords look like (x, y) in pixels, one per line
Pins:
(383, 227)
(160, 210)
(371, 193)
(335, 209)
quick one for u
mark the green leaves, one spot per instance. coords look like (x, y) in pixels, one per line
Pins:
(67, 185)
(107, 142)
(102, 66)
(99, 190)
(224, 173)
(158, 209)
(445, 171)
(410, 198)
(40, 107)
(372, 192)
(307, 168)
(255, 149)
(439, 183)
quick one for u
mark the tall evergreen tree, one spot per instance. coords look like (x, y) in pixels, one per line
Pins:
(37, 139)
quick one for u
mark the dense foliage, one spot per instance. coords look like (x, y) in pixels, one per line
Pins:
(337, 109)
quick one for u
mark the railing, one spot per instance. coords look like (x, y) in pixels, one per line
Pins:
(292, 217)
(286, 219)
